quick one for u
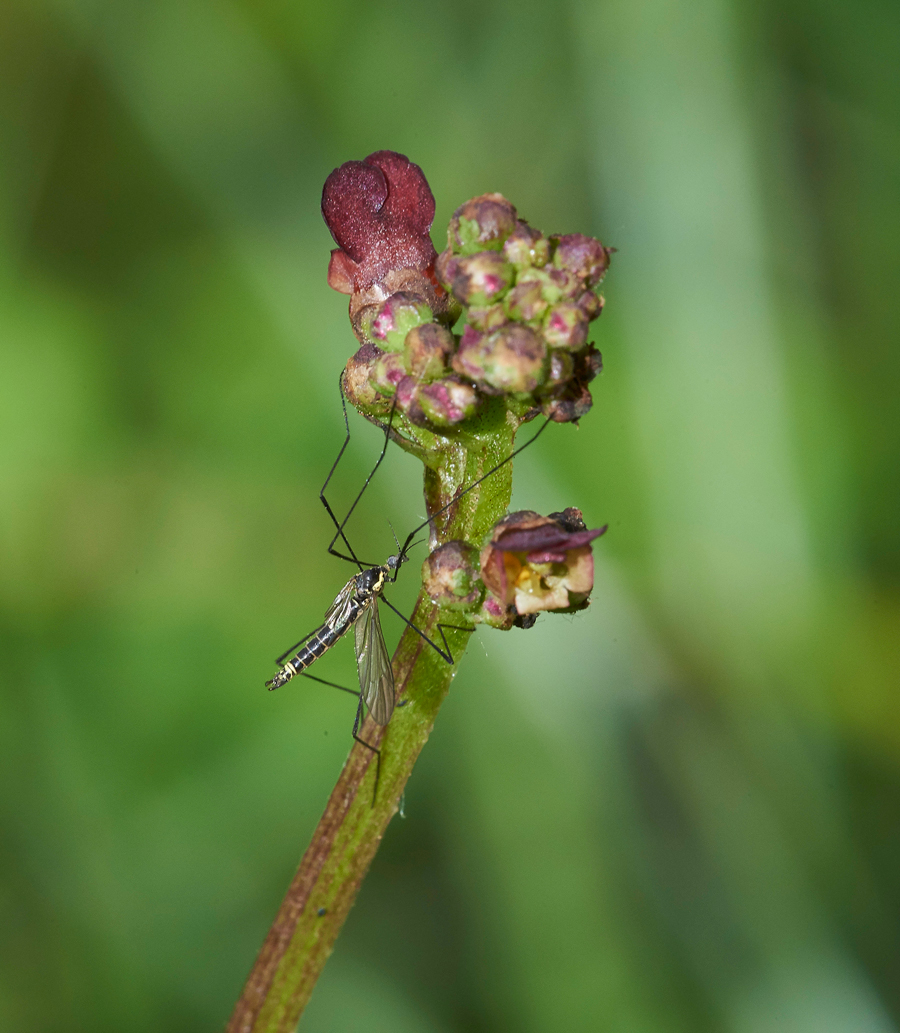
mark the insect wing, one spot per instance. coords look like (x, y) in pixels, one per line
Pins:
(376, 678)
(339, 612)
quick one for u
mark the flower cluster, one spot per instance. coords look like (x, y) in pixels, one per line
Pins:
(528, 301)
(532, 563)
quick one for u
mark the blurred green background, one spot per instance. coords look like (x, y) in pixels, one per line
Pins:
(679, 811)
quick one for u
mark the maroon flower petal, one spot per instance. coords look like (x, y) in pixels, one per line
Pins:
(547, 537)
(546, 557)
(409, 196)
(379, 211)
(352, 199)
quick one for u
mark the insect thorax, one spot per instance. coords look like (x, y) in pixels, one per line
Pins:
(370, 582)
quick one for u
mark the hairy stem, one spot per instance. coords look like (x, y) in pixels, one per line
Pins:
(349, 832)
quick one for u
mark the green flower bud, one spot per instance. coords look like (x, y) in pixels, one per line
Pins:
(387, 372)
(511, 359)
(358, 383)
(526, 247)
(554, 285)
(489, 318)
(388, 323)
(525, 302)
(583, 256)
(565, 326)
(451, 576)
(448, 402)
(482, 224)
(426, 351)
(481, 279)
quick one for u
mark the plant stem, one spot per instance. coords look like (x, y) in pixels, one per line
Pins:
(350, 831)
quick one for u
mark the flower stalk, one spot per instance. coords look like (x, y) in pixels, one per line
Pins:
(454, 399)
(350, 831)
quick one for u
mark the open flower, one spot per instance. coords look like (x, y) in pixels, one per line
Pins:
(535, 563)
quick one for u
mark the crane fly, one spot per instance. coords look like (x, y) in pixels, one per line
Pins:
(356, 606)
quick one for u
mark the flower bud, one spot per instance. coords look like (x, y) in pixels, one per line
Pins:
(588, 364)
(526, 247)
(554, 285)
(407, 401)
(446, 267)
(591, 305)
(387, 372)
(525, 302)
(535, 563)
(481, 279)
(448, 402)
(583, 256)
(426, 351)
(489, 318)
(358, 383)
(561, 368)
(388, 324)
(572, 400)
(451, 576)
(569, 406)
(482, 224)
(379, 211)
(512, 359)
(565, 326)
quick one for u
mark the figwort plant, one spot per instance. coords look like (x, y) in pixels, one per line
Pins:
(456, 352)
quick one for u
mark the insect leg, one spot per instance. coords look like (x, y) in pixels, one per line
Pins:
(352, 558)
(425, 523)
(339, 532)
(448, 655)
(451, 627)
(331, 684)
(356, 723)
(280, 660)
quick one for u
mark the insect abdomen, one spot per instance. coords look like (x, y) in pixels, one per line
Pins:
(320, 642)
(317, 644)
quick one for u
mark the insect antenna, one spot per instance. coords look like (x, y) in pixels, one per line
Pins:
(394, 533)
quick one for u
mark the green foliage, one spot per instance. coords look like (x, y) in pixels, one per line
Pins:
(675, 811)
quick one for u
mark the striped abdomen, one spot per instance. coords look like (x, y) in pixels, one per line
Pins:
(318, 643)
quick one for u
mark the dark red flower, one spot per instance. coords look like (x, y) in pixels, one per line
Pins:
(379, 211)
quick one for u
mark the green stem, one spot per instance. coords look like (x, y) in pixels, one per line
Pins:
(349, 832)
